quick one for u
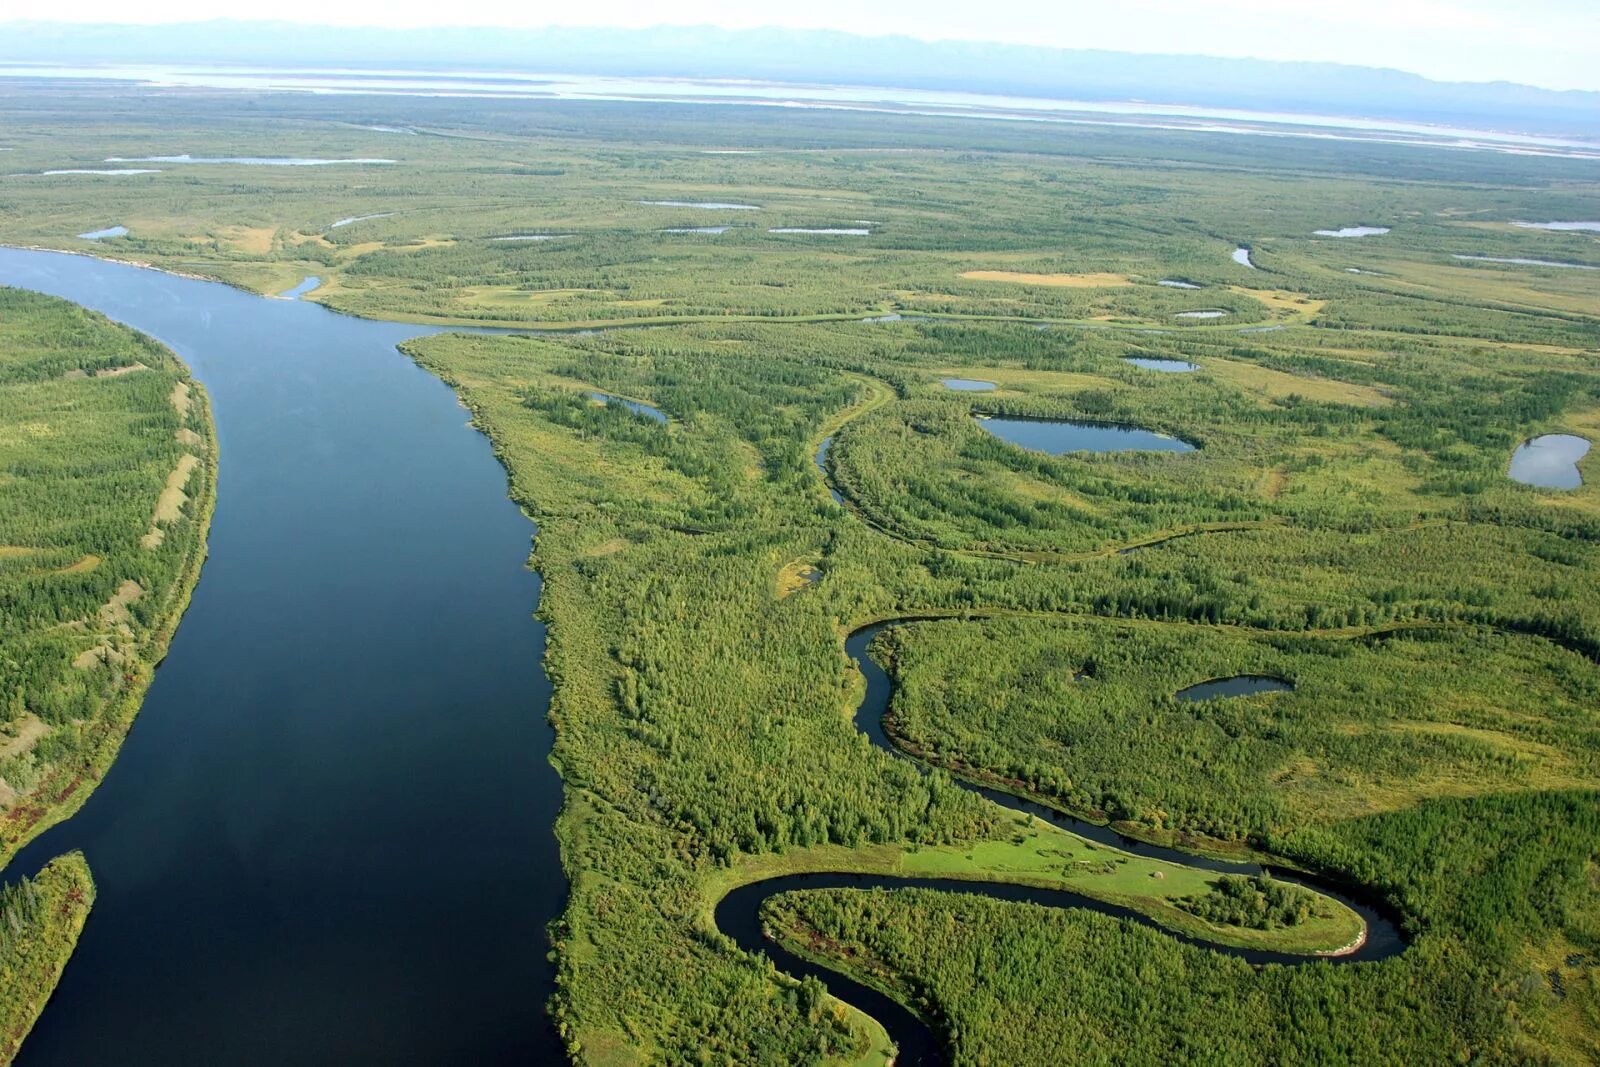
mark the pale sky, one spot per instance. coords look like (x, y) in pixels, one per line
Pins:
(1551, 43)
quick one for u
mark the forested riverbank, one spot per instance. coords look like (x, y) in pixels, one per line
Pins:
(112, 456)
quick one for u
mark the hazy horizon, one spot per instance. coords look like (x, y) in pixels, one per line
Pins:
(1547, 44)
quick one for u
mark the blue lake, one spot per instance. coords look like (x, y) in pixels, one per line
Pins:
(1058, 436)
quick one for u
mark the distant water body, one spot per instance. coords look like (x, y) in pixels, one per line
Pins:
(1520, 262)
(1593, 227)
(940, 103)
(250, 161)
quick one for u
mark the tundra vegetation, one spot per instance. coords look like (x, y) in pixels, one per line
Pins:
(1345, 523)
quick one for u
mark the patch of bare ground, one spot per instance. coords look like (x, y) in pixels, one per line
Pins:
(114, 612)
(20, 735)
(181, 399)
(169, 506)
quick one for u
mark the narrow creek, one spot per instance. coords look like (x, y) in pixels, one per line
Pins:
(738, 915)
(328, 837)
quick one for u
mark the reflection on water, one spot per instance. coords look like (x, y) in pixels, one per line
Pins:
(1057, 436)
(1550, 461)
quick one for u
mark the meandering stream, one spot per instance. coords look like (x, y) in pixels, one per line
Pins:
(738, 915)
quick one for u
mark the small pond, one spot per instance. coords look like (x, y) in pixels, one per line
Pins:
(967, 385)
(1241, 256)
(1165, 366)
(1353, 231)
(803, 229)
(1550, 461)
(1174, 283)
(532, 237)
(1208, 313)
(634, 406)
(103, 173)
(1240, 685)
(1058, 436)
(109, 231)
(698, 229)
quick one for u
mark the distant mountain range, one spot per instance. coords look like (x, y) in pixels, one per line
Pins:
(817, 56)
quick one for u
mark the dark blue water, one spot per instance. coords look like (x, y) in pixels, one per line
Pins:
(1057, 436)
(327, 839)
(1240, 685)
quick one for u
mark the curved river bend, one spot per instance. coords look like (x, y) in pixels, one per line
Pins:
(327, 838)
(738, 914)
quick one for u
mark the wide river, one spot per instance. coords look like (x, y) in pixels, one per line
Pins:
(328, 836)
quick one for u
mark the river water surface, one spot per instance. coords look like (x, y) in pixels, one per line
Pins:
(328, 836)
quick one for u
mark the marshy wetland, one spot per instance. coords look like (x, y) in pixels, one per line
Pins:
(342, 768)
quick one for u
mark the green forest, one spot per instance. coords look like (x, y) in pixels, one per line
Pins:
(1345, 523)
(40, 919)
(107, 473)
